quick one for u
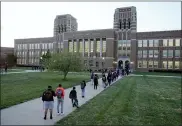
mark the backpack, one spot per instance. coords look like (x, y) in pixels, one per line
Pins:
(82, 85)
(59, 93)
(48, 94)
(104, 78)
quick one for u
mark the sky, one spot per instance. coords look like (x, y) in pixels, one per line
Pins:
(36, 19)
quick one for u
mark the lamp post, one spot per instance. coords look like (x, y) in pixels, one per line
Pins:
(103, 66)
(41, 63)
(131, 66)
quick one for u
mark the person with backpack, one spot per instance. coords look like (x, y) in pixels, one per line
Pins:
(48, 101)
(73, 97)
(60, 98)
(96, 81)
(91, 78)
(83, 85)
(109, 78)
(104, 81)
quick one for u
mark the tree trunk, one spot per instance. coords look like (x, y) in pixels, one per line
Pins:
(65, 74)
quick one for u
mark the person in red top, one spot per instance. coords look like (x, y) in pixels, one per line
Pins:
(60, 98)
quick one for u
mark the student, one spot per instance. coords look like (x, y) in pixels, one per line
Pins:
(6, 67)
(92, 77)
(104, 81)
(60, 98)
(109, 77)
(83, 85)
(48, 101)
(95, 81)
(73, 97)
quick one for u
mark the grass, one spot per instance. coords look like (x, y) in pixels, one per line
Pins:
(21, 87)
(132, 101)
(157, 73)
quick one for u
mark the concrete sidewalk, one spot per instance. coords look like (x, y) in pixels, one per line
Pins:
(154, 76)
(31, 112)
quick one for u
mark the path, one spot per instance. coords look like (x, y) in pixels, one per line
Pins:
(154, 76)
(31, 112)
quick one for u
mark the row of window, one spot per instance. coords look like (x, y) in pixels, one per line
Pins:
(30, 61)
(31, 53)
(155, 53)
(155, 64)
(83, 46)
(35, 46)
(155, 43)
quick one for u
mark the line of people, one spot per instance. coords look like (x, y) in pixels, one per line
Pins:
(49, 94)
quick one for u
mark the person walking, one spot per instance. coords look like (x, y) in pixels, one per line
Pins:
(48, 101)
(83, 85)
(6, 67)
(92, 78)
(109, 76)
(104, 81)
(73, 97)
(60, 98)
(96, 81)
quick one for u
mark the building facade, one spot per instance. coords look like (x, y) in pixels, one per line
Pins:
(105, 48)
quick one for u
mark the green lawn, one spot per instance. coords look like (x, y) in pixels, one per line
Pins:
(157, 73)
(132, 101)
(20, 87)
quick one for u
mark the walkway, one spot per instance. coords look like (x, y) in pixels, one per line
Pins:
(31, 112)
(154, 76)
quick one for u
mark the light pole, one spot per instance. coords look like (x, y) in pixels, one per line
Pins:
(103, 66)
(41, 63)
(131, 66)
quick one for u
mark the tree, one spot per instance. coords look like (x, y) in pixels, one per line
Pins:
(45, 58)
(11, 59)
(65, 62)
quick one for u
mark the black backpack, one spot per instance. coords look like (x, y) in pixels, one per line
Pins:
(48, 94)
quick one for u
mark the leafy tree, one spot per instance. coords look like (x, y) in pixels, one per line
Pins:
(65, 62)
(11, 59)
(45, 58)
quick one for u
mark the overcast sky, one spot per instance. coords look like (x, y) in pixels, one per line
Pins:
(35, 19)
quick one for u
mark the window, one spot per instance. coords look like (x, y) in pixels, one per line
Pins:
(150, 64)
(70, 45)
(176, 64)
(97, 64)
(144, 53)
(38, 46)
(165, 42)
(98, 45)
(91, 63)
(170, 64)
(86, 46)
(155, 64)
(75, 46)
(151, 42)
(156, 43)
(164, 64)
(170, 43)
(156, 53)
(139, 53)
(104, 45)
(144, 43)
(170, 53)
(91, 45)
(151, 53)
(139, 43)
(139, 64)
(45, 45)
(177, 53)
(144, 64)
(81, 46)
(164, 53)
(177, 42)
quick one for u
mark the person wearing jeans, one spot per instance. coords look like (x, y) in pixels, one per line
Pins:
(60, 98)
(83, 85)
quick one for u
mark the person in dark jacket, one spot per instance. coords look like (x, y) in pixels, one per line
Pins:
(104, 81)
(109, 76)
(73, 97)
(83, 85)
(96, 81)
(48, 101)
